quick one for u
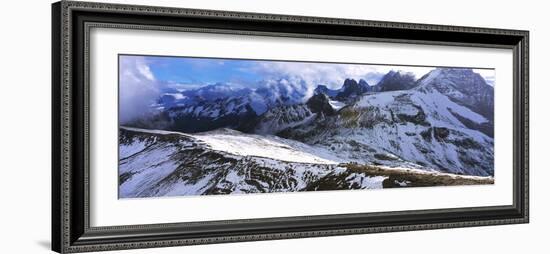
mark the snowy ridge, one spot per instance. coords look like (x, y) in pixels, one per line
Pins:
(163, 163)
(241, 144)
(267, 146)
(167, 163)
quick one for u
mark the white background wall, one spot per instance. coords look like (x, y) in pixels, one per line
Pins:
(25, 125)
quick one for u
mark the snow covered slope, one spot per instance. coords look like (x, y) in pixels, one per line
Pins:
(417, 128)
(162, 163)
(267, 146)
(463, 86)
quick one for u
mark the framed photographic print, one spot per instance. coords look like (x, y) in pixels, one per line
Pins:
(181, 126)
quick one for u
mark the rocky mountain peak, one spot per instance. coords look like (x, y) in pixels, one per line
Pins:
(322, 89)
(463, 86)
(397, 80)
(319, 103)
(363, 83)
(352, 89)
(460, 78)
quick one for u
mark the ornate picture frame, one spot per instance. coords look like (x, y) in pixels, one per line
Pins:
(71, 105)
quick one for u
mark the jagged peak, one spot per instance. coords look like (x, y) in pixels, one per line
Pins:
(349, 82)
(363, 82)
(320, 103)
(397, 80)
(457, 75)
(321, 89)
(398, 74)
(457, 70)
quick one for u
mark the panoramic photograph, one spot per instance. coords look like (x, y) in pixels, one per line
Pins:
(208, 126)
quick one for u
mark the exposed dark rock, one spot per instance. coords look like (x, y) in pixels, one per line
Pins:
(396, 80)
(384, 157)
(440, 133)
(319, 103)
(322, 89)
(467, 143)
(419, 118)
(352, 89)
(486, 128)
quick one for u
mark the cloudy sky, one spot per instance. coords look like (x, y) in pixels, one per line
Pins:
(202, 71)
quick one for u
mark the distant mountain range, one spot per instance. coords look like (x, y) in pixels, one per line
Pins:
(440, 123)
(392, 81)
(224, 105)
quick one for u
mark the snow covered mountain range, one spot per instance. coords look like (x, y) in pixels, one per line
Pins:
(219, 139)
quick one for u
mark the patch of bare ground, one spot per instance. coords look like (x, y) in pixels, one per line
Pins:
(416, 178)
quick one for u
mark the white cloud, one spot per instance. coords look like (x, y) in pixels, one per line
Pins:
(332, 75)
(138, 88)
(328, 74)
(304, 77)
(144, 70)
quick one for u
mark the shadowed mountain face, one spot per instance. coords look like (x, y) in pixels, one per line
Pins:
(352, 89)
(396, 80)
(349, 90)
(440, 124)
(322, 89)
(320, 104)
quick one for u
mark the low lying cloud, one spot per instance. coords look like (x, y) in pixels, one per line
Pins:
(328, 74)
(138, 88)
(332, 75)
